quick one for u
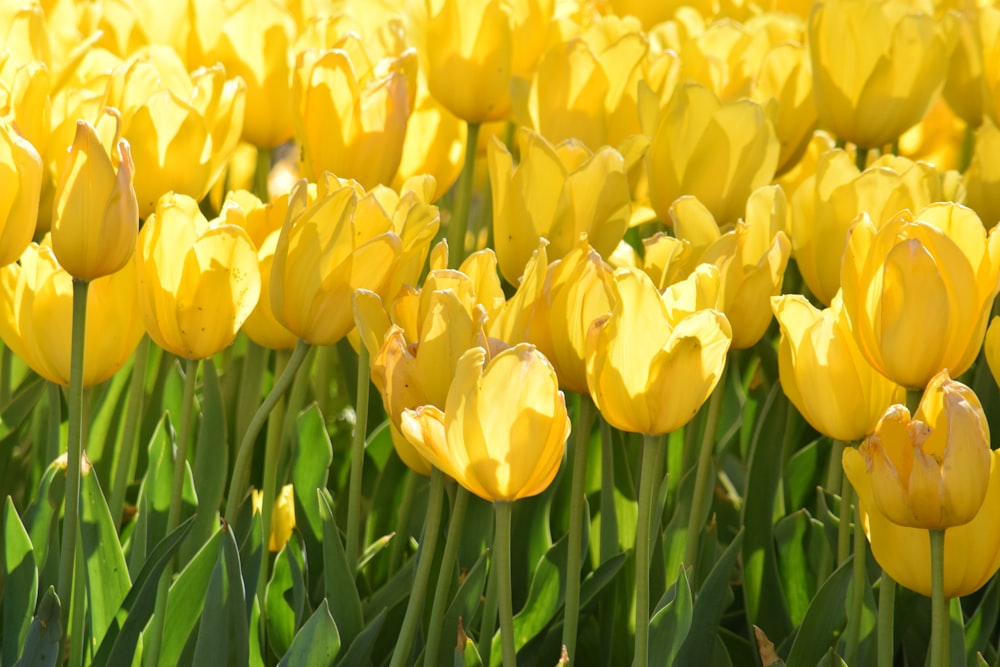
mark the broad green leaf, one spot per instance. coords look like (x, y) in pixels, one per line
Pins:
(956, 642)
(805, 471)
(42, 521)
(210, 460)
(598, 579)
(43, 644)
(284, 601)
(120, 642)
(316, 644)
(252, 554)
(338, 575)
(311, 456)
(108, 580)
(20, 583)
(14, 413)
(360, 650)
(463, 605)
(670, 622)
(981, 625)
(800, 541)
(223, 635)
(107, 415)
(824, 621)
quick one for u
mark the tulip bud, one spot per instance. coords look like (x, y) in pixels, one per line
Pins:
(282, 516)
(21, 173)
(95, 218)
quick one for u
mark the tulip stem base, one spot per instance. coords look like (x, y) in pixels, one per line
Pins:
(578, 497)
(487, 626)
(886, 617)
(358, 459)
(860, 158)
(697, 519)
(459, 223)
(445, 576)
(74, 455)
(425, 563)
(501, 551)
(244, 456)
(649, 481)
(940, 621)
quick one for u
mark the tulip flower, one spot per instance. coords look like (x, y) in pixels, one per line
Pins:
(556, 192)
(989, 42)
(649, 374)
(823, 372)
(876, 67)
(717, 151)
(199, 281)
(982, 178)
(469, 47)
(282, 516)
(95, 219)
(21, 172)
(991, 348)
(918, 291)
(36, 303)
(501, 445)
(824, 206)
(963, 85)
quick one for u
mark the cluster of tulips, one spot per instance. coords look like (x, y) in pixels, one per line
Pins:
(493, 210)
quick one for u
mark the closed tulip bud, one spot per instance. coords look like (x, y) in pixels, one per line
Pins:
(36, 303)
(876, 66)
(282, 516)
(823, 372)
(324, 254)
(716, 151)
(95, 218)
(646, 373)
(826, 204)
(199, 281)
(982, 178)
(918, 291)
(21, 173)
(434, 144)
(931, 471)
(501, 445)
(31, 103)
(469, 47)
(555, 192)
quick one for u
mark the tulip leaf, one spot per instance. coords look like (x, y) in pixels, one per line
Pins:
(805, 471)
(360, 650)
(108, 580)
(597, 580)
(956, 640)
(106, 418)
(800, 544)
(22, 403)
(43, 643)
(671, 622)
(394, 592)
(981, 625)
(463, 606)
(186, 601)
(223, 633)
(42, 521)
(211, 456)
(824, 620)
(762, 593)
(20, 587)
(338, 575)
(120, 641)
(284, 602)
(252, 551)
(466, 654)
(311, 455)
(317, 643)
(713, 598)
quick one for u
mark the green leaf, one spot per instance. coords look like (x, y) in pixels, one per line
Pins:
(467, 598)
(338, 575)
(284, 601)
(15, 412)
(43, 645)
(311, 455)
(211, 457)
(317, 643)
(671, 622)
(186, 601)
(223, 635)
(597, 580)
(108, 580)
(799, 539)
(360, 650)
(106, 421)
(120, 642)
(824, 621)
(465, 652)
(981, 625)
(252, 553)
(42, 521)
(20, 583)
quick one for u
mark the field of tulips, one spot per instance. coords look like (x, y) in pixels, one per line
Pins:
(499, 332)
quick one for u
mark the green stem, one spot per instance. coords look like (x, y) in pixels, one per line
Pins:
(844, 524)
(241, 469)
(913, 397)
(501, 549)
(76, 630)
(861, 158)
(703, 473)
(488, 624)
(358, 459)
(886, 616)
(254, 364)
(459, 223)
(74, 448)
(940, 621)
(401, 538)
(578, 496)
(443, 587)
(609, 519)
(272, 459)
(649, 481)
(858, 586)
(55, 422)
(126, 457)
(155, 634)
(968, 147)
(425, 563)
(261, 172)
(834, 476)
(6, 357)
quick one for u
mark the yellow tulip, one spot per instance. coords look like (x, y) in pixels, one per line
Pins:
(826, 203)
(982, 178)
(198, 281)
(434, 144)
(918, 291)
(469, 47)
(646, 373)
(556, 192)
(963, 85)
(989, 42)
(36, 307)
(327, 249)
(21, 173)
(501, 445)
(824, 374)
(971, 551)
(95, 219)
(350, 113)
(876, 66)
(282, 516)
(717, 151)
